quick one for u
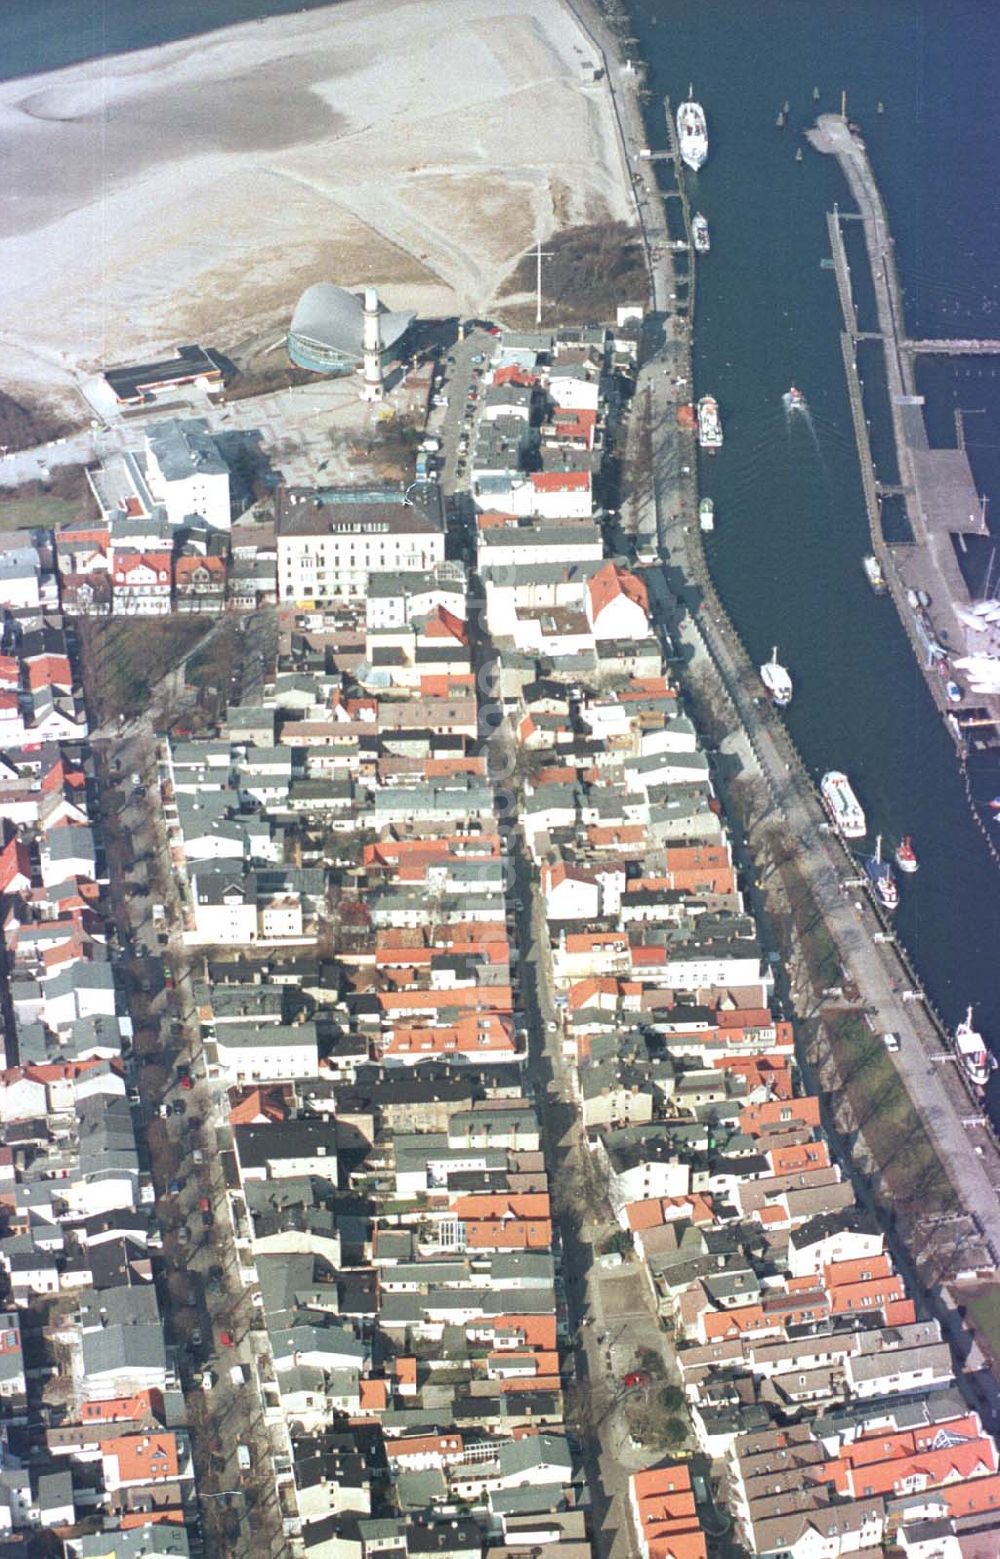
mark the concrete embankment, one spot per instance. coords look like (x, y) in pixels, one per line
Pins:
(691, 610)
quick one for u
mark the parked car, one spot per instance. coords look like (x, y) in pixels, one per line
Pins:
(187, 1083)
(636, 1378)
(204, 1205)
(226, 1340)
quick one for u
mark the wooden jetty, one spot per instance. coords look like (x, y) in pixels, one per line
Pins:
(942, 504)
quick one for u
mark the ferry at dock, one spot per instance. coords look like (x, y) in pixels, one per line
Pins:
(879, 874)
(700, 236)
(874, 574)
(709, 424)
(692, 133)
(846, 813)
(970, 1047)
(777, 680)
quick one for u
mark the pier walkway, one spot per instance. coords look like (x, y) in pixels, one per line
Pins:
(937, 485)
(950, 348)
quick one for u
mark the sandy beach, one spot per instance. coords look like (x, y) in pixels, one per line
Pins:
(190, 192)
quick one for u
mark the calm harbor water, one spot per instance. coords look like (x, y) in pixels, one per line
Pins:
(791, 526)
(791, 523)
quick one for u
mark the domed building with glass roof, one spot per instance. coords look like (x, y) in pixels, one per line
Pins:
(327, 333)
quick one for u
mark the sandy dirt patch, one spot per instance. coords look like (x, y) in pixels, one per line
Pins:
(192, 191)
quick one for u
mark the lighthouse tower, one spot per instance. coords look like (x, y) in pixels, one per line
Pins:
(371, 389)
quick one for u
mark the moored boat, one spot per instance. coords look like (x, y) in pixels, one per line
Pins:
(706, 514)
(846, 812)
(777, 680)
(700, 236)
(692, 133)
(709, 423)
(977, 1063)
(874, 574)
(906, 855)
(879, 874)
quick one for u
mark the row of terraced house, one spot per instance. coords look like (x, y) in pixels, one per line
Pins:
(824, 1396)
(94, 1449)
(342, 876)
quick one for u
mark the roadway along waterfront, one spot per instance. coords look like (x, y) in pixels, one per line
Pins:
(689, 610)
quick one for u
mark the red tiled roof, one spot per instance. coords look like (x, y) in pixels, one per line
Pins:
(560, 481)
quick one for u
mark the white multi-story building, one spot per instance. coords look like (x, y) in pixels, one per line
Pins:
(187, 474)
(329, 541)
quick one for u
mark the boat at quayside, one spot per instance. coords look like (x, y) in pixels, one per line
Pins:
(700, 236)
(846, 812)
(977, 1063)
(879, 874)
(692, 133)
(709, 424)
(777, 680)
(706, 514)
(874, 574)
(906, 855)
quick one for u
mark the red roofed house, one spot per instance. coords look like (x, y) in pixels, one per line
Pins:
(83, 561)
(141, 584)
(570, 893)
(617, 604)
(15, 867)
(570, 428)
(562, 495)
(200, 583)
(661, 1502)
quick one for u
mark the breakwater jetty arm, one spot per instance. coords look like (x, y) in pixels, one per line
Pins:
(936, 485)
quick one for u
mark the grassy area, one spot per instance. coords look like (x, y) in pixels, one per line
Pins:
(887, 1119)
(983, 1308)
(818, 949)
(46, 505)
(589, 271)
(124, 658)
(23, 425)
(39, 511)
(212, 666)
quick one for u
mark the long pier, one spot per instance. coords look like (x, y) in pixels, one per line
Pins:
(952, 348)
(937, 486)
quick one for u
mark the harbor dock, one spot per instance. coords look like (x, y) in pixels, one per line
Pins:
(943, 508)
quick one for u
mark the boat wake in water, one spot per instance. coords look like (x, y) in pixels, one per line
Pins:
(798, 415)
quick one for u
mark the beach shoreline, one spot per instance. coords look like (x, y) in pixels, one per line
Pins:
(192, 190)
